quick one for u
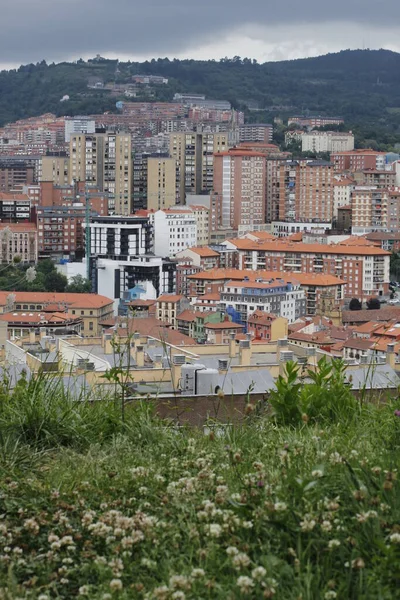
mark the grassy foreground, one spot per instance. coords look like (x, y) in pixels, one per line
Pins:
(92, 507)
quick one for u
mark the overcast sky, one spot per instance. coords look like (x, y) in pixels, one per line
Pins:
(54, 30)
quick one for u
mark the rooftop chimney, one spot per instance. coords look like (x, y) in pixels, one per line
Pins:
(245, 353)
(232, 345)
(391, 355)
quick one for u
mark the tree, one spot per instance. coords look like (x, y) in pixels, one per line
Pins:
(373, 304)
(79, 285)
(355, 304)
(55, 282)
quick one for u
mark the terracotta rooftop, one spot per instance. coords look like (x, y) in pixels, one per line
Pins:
(187, 315)
(357, 344)
(39, 318)
(19, 227)
(204, 252)
(301, 248)
(217, 274)
(368, 327)
(223, 325)
(169, 298)
(9, 196)
(80, 301)
(142, 303)
(150, 326)
(364, 316)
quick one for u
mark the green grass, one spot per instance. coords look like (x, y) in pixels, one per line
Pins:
(94, 507)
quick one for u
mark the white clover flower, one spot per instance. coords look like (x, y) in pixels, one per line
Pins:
(307, 524)
(395, 538)
(247, 524)
(232, 551)
(31, 525)
(197, 573)
(335, 458)
(326, 526)
(179, 582)
(214, 530)
(160, 593)
(245, 584)
(83, 590)
(376, 470)
(331, 595)
(116, 585)
(240, 560)
(179, 595)
(43, 597)
(258, 573)
(280, 506)
(317, 473)
(333, 544)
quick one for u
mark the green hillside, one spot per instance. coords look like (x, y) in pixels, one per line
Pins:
(358, 84)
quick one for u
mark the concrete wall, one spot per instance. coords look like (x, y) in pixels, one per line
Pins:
(14, 354)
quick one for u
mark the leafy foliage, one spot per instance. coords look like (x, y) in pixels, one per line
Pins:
(355, 304)
(79, 285)
(15, 277)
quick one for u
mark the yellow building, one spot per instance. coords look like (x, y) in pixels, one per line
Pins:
(55, 169)
(161, 183)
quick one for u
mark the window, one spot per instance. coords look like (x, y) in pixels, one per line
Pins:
(82, 312)
(90, 325)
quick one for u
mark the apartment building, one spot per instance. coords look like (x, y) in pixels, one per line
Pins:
(358, 160)
(15, 172)
(169, 306)
(175, 229)
(256, 132)
(205, 258)
(18, 240)
(202, 215)
(74, 125)
(239, 188)
(327, 141)
(364, 269)
(316, 121)
(15, 208)
(55, 169)
(342, 189)
(103, 161)
(91, 308)
(194, 156)
(299, 190)
(240, 299)
(161, 182)
(266, 326)
(380, 179)
(375, 209)
(123, 263)
(139, 183)
(61, 230)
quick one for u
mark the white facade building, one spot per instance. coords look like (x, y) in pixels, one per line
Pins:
(175, 229)
(342, 190)
(75, 125)
(327, 141)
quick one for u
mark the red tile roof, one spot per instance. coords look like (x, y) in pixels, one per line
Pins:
(223, 325)
(79, 301)
(169, 298)
(187, 315)
(299, 247)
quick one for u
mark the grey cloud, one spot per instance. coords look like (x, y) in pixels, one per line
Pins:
(61, 29)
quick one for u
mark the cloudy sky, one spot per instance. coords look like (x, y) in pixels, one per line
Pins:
(32, 30)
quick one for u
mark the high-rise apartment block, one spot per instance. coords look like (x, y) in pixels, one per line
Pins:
(161, 182)
(194, 156)
(299, 190)
(256, 132)
(103, 161)
(76, 125)
(15, 172)
(175, 229)
(375, 209)
(239, 188)
(55, 168)
(327, 141)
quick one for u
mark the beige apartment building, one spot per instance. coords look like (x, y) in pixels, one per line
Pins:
(55, 169)
(194, 155)
(103, 161)
(202, 216)
(161, 183)
(327, 141)
(18, 239)
(374, 209)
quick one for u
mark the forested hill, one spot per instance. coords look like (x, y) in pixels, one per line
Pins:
(357, 84)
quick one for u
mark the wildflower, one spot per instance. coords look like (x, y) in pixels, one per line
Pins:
(330, 595)
(376, 470)
(317, 473)
(258, 573)
(307, 525)
(326, 526)
(116, 585)
(397, 413)
(179, 595)
(247, 524)
(305, 418)
(43, 597)
(280, 506)
(106, 597)
(395, 538)
(32, 526)
(245, 584)
(357, 563)
(240, 560)
(160, 593)
(335, 458)
(197, 573)
(232, 551)
(333, 544)
(179, 582)
(83, 590)
(214, 530)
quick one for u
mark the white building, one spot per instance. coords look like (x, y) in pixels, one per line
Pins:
(342, 190)
(175, 229)
(75, 125)
(286, 228)
(327, 141)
